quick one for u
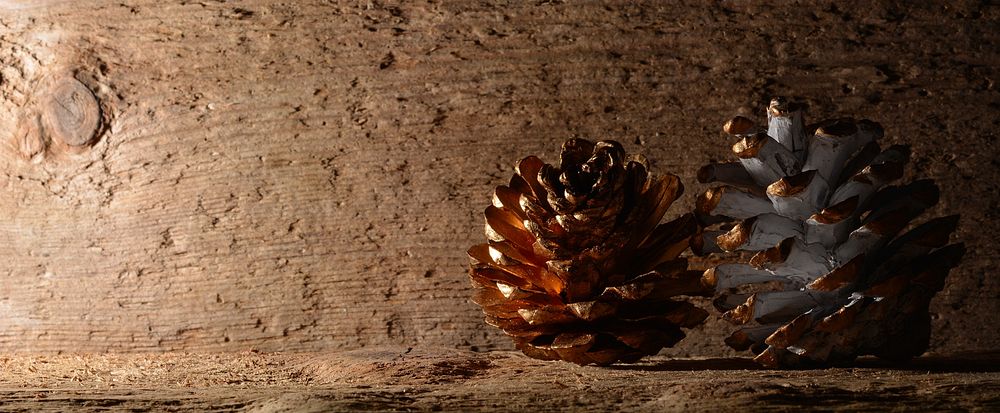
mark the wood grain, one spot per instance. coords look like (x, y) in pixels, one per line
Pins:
(435, 379)
(307, 176)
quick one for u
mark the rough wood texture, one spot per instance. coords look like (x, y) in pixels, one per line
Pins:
(428, 379)
(307, 176)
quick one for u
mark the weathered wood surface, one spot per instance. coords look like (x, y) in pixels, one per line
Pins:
(394, 379)
(307, 176)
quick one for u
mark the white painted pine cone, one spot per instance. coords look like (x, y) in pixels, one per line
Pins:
(835, 275)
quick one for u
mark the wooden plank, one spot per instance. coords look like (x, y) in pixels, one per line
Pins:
(427, 378)
(307, 176)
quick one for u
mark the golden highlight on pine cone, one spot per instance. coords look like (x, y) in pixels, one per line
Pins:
(576, 266)
(835, 276)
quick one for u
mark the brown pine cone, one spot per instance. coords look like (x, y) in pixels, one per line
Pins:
(576, 267)
(834, 277)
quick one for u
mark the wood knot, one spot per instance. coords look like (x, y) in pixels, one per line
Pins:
(71, 114)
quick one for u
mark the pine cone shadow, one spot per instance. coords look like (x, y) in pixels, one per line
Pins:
(972, 362)
(732, 363)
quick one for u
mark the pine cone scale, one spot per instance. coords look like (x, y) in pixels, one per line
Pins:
(489, 272)
(502, 225)
(510, 199)
(528, 169)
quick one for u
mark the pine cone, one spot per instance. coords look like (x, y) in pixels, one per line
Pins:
(833, 278)
(576, 267)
